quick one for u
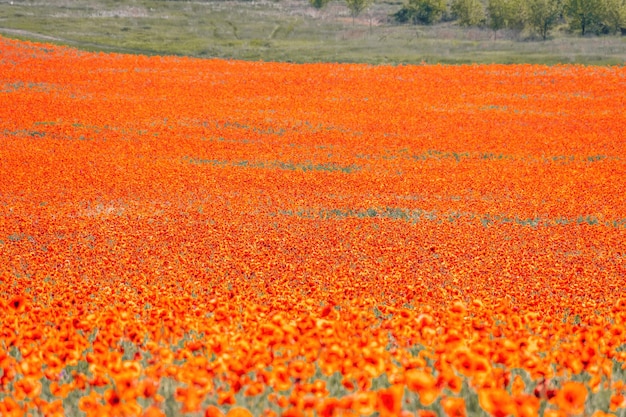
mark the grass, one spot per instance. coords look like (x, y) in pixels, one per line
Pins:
(287, 31)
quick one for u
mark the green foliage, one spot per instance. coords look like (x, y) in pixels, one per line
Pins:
(424, 12)
(499, 15)
(468, 12)
(585, 15)
(319, 4)
(517, 16)
(614, 15)
(357, 6)
(543, 15)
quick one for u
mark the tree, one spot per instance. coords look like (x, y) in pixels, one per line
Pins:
(614, 16)
(585, 15)
(357, 6)
(468, 12)
(517, 14)
(319, 4)
(421, 11)
(499, 15)
(543, 15)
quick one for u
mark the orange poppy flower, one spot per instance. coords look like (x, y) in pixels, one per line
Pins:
(454, 406)
(554, 413)
(571, 397)
(600, 413)
(497, 402)
(238, 412)
(389, 401)
(364, 402)
(292, 412)
(153, 411)
(422, 383)
(190, 397)
(213, 411)
(328, 406)
(27, 388)
(226, 397)
(618, 400)
(90, 402)
(518, 385)
(18, 303)
(527, 405)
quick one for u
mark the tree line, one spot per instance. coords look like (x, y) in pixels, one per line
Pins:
(538, 16)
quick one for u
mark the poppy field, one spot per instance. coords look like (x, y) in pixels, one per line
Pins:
(197, 237)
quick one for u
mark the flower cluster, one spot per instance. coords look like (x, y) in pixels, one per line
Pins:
(208, 237)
